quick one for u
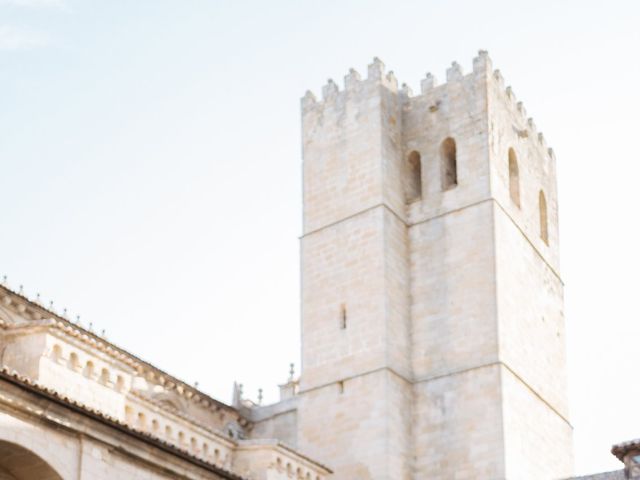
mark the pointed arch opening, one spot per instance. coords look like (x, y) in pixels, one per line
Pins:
(544, 226)
(449, 163)
(414, 184)
(514, 178)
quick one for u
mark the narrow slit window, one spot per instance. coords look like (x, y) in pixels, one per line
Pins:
(514, 178)
(544, 226)
(449, 163)
(343, 316)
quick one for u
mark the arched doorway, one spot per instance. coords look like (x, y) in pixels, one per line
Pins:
(18, 463)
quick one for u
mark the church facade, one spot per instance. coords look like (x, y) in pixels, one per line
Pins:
(433, 338)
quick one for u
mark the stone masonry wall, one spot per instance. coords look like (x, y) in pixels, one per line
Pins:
(355, 281)
(453, 294)
(530, 295)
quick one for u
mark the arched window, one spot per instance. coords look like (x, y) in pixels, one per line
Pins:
(56, 353)
(89, 369)
(544, 228)
(514, 178)
(105, 376)
(449, 163)
(168, 432)
(74, 362)
(155, 426)
(120, 383)
(414, 170)
(128, 414)
(142, 421)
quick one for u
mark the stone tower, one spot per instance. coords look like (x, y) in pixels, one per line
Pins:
(433, 341)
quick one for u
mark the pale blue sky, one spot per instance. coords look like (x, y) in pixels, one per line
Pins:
(150, 169)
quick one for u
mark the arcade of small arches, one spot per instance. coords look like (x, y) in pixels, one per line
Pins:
(449, 180)
(288, 468)
(88, 369)
(194, 446)
(199, 448)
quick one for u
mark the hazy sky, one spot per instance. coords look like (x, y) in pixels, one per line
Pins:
(150, 169)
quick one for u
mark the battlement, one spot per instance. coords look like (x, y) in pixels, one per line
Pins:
(529, 129)
(353, 82)
(482, 75)
(377, 75)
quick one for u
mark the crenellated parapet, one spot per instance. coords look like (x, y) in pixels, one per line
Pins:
(333, 97)
(527, 127)
(377, 75)
(334, 101)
